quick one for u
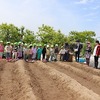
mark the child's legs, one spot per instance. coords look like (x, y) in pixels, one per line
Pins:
(15, 53)
(7, 55)
(1, 54)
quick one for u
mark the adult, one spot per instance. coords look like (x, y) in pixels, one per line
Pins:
(77, 50)
(96, 54)
(88, 51)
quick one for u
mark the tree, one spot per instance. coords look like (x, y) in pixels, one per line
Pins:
(47, 35)
(9, 32)
(82, 36)
(29, 37)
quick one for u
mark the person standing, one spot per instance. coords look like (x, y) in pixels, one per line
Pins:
(56, 51)
(34, 52)
(88, 52)
(14, 52)
(8, 49)
(30, 53)
(77, 50)
(20, 51)
(62, 53)
(47, 53)
(44, 52)
(39, 52)
(1, 49)
(96, 54)
(52, 54)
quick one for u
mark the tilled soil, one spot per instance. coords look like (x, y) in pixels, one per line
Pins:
(48, 81)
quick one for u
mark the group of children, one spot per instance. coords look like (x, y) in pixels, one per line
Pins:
(32, 52)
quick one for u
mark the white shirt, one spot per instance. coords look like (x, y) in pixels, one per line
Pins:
(94, 52)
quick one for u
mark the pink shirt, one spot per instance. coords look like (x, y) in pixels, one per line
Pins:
(1, 48)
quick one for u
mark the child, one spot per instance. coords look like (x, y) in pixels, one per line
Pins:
(62, 52)
(44, 52)
(47, 53)
(34, 52)
(52, 55)
(25, 52)
(30, 54)
(1, 49)
(8, 51)
(14, 55)
(39, 52)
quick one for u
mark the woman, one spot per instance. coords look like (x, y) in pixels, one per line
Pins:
(88, 52)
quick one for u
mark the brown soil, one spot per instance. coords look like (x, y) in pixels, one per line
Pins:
(48, 81)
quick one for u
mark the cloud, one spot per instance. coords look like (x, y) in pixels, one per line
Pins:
(95, 8)
(84, 1)
(91, 14)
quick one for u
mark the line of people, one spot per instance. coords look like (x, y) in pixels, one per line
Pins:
(18, 50)
(29, 52)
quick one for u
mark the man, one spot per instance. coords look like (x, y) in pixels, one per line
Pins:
(77, 50)
(96, 54)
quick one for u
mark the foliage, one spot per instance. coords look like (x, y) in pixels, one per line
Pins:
(47, 35)
(29, 37)
(9, 33)
(82, 36)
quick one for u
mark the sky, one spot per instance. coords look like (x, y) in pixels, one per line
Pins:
(66, 15)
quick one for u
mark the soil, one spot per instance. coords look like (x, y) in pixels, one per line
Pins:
(48, 81)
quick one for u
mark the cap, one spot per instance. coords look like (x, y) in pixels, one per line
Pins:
(47, 46)
(56, 45)
(1, 41)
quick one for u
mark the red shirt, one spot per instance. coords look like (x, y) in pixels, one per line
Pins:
(98, 50)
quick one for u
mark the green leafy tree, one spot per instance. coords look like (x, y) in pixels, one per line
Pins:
(47, 35)
(9, 32)
(82, 36)
(29, 37)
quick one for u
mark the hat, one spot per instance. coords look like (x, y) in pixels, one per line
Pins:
(8, 42)
(25, 44)
(88, 42)
(12, 43)
(56, 45)
(62, 46)
(44, 44)
(34, 44)
(1, 41)
(47, 46)
(51, 46)
(39, 45)
(19, 42)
